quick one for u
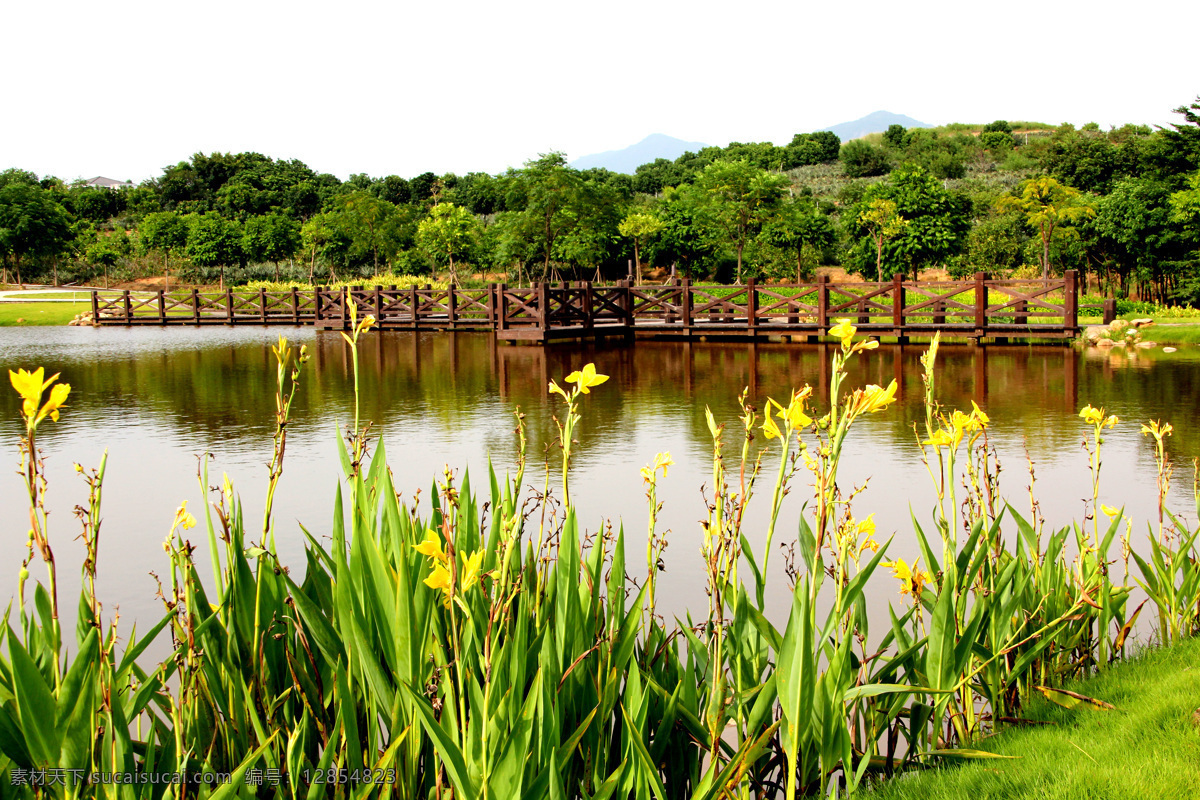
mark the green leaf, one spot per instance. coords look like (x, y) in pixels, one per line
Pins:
(448, 751)
(35, 706)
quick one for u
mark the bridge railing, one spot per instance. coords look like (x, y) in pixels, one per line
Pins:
(974, 307)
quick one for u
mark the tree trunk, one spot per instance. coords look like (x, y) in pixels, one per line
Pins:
(222, 277)
(637, 262)
(879, 259)
(17, 267)
(312, 268)
(1046, 253)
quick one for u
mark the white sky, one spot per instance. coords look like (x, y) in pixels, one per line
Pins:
(124, 88)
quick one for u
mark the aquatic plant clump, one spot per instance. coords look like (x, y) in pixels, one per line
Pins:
(468, 649)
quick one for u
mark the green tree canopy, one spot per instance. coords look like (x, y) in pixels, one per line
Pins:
(448, 232)
(1048, 205)
(741, 197)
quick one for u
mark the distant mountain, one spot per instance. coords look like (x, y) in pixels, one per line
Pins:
(656, 145)
(875, 122)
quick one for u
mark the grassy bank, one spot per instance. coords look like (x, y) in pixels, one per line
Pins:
(40, 313)
(1147, 746)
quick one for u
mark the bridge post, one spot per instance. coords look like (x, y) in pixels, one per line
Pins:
(685, 301)
(378, 298)
(751, 305)
(627, 302)
(262, 305)
(823, 304)
(452, 305)
(1110, 308)
(414, 304)
(543, 301)
(589, 310)
(195, 305)
(898, 307)
(1070, 301)
(295, 306)
(228, 305)
(501, 308)
(316, 306)
(96, 308)
(980, 304)
(162, 308)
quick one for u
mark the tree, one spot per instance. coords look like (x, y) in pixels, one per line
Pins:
(894, 136)
(1047, 204)
(271, 237)
(862, 160)
(32, 223)
(448, 231)
(165, 232)
(799, 224)
(936, 223)
(372, 225)
(315, 236)
(741, 196)
(883, 222)
(549, 195)
(639, 225)
(214, 241)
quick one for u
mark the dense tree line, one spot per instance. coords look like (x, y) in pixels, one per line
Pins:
(1123, 206)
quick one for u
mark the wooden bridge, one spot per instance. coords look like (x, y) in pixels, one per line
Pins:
(975, 309)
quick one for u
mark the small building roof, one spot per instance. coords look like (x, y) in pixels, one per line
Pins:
(107, 183)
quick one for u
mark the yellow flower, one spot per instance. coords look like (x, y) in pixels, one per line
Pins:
(844, 331)
(873, 398)
(58, 396)
(769, 428)
(554, 387)
(431, 546)
(1091, 415)
(471, 570)
(184, 518)
(1110, 511)
(1157, 430)
(587, 378)
(912, 580)
(439, 580)
(941, 438)
(794, 413)
(867, 526)
(661, 461)
(30, 386)
(977, 412)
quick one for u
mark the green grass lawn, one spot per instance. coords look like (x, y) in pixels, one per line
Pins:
(41, 313)
(1149, 747)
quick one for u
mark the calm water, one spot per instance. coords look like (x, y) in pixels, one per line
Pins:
(156, 398)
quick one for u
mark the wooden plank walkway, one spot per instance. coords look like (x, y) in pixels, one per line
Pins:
(976, 309)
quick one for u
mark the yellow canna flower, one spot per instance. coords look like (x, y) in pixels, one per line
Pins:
(977, 412)
(439, 579)
(1157, 430)
(1091, 415)
(872, 398)
(471, 570)
(769, 428)
(867, 526)
(183, 517)
(941, 438)
(58, 396)
(431, 546)
(30, 384)
(844, 331)
(1109, 511)
(661, 461)
(912, 580)
(554, 387)
(587, 378)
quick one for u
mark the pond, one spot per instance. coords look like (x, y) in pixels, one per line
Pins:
(156, 398)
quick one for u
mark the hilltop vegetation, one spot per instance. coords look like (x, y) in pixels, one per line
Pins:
(1121, 206)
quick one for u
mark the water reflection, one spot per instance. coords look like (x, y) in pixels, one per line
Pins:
(158, 397)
